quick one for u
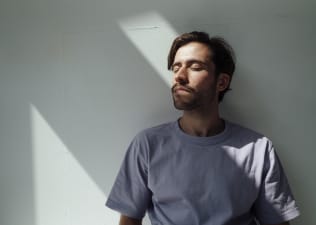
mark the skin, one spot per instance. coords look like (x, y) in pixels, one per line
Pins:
(193, 69)
(125, 220)
(195, 90)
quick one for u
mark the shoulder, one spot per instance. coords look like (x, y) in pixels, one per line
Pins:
(244, 135)
(158, 131)
(152, 137)
(241, 130)
(147, 140)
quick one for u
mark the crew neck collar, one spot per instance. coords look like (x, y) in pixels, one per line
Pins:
(210, 140)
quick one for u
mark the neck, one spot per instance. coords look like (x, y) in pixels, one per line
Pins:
(202, 123)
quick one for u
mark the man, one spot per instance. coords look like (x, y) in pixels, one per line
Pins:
(201, 169)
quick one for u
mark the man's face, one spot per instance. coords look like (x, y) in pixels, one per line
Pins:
(194, 81)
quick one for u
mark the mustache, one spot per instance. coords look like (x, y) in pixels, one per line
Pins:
(187, 88)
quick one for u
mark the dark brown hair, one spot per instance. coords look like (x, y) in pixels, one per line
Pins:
(222, 53)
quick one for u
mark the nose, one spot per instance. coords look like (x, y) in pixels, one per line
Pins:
(181, 76)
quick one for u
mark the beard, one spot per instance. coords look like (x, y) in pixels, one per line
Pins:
(192, 99)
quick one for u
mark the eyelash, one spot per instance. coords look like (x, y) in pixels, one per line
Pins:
(194, 68)
(175, 70)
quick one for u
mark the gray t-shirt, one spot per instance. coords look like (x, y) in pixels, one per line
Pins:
(233, 178)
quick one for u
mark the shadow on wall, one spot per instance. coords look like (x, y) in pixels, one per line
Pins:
(75, 143)
(92, 102)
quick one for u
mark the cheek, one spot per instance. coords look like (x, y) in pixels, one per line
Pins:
(201, 81)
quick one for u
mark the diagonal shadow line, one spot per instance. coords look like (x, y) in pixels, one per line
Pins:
(48, 150)
(144, 31)
(152, 60)
(154, 63)
(67, 145)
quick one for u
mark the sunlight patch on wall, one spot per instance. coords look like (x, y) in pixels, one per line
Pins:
(64, 192)
(152, 35)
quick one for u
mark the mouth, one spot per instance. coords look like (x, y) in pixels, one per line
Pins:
(181, 89)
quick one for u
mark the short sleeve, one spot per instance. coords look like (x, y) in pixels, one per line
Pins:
(275, 203)
(130, 195)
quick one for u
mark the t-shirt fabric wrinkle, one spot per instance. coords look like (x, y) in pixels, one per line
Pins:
(234, 178)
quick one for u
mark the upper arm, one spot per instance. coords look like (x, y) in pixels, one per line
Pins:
(125, 220)
(130, 194)
(275, 202)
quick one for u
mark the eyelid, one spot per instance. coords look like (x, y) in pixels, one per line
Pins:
(175, 67)
(196, 65)
(192, 65)
(199, 63)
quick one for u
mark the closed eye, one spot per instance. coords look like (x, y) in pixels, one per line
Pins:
(197, 67)
(193, 65)
(175, 68)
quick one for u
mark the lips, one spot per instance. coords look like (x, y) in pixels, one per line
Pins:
(181, 88)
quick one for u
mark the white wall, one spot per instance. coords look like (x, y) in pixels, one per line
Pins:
(78, 79)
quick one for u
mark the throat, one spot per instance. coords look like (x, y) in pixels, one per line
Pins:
(202, 128)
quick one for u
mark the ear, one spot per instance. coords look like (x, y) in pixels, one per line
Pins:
(223, 81)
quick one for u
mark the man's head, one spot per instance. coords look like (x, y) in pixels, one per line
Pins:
(221, 58)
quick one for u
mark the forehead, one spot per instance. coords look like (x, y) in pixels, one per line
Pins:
(193, 50)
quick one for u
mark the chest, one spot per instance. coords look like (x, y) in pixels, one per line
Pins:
(217, 176)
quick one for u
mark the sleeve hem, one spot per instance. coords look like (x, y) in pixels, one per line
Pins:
(288, 215)
(123, 209)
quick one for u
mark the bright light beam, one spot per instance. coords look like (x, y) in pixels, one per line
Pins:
(64, 192)
(151, 34)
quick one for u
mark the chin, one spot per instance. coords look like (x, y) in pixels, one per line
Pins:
(184, 106)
